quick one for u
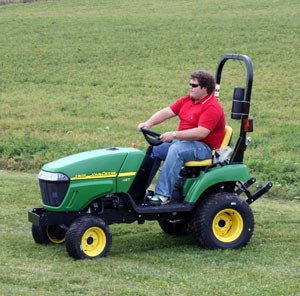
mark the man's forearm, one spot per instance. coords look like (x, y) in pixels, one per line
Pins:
(159, 117)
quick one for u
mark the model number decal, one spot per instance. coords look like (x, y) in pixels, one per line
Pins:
(95, 176)
(102, 175)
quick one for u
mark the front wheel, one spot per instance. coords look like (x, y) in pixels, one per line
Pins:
(46, 234)
(223, 221)
(88, 237)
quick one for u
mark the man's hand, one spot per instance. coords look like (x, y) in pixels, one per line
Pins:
(167, 137)
(143, 125)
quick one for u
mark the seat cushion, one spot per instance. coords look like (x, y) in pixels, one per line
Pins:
(198, 163)
(206, 162)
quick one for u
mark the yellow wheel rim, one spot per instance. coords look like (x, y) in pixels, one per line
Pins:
(227, 225)
(93, 241)
(53, 238)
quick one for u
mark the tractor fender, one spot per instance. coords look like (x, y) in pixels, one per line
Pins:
(215, 175)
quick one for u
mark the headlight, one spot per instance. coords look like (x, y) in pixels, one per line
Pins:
(52, 177)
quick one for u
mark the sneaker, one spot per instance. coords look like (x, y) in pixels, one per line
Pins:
(158, 200)
(148, 196)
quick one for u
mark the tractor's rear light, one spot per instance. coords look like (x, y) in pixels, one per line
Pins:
(54, 187)
(248, 125)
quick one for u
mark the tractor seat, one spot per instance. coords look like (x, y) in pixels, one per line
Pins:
(209, 161)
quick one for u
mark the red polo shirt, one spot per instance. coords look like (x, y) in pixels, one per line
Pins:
(207, 113)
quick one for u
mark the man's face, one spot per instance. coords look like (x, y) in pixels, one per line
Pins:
(196, 92)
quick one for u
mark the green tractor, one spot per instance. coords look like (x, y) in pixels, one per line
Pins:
(83, 194)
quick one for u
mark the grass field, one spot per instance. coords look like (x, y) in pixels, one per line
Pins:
(78, 75)
(145, 261)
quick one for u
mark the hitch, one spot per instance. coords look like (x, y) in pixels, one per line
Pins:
(243, 187)
(253, 197)
(259, 193)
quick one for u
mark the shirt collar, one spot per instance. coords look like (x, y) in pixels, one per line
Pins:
(203, 100)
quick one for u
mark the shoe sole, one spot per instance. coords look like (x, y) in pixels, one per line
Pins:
(159, 202)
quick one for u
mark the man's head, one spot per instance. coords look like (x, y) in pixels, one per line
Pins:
(205, 81)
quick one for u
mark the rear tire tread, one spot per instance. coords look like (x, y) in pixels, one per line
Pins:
(201, 226)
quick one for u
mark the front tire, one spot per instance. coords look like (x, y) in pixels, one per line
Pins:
(88, 237)
(39, 234)
(48, 234)
(222, 221)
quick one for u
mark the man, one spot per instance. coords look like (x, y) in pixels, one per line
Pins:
(201, 128)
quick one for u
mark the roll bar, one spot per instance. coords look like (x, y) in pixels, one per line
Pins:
(249, 78)
(240, 103)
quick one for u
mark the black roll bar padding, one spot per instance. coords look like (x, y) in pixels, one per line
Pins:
(239, 107)
(249, 78)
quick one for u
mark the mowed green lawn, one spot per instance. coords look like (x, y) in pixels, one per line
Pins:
(78, 75)
(145, 261)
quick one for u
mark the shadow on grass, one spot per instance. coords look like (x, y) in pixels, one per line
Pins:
(126, 240)
(145, 239)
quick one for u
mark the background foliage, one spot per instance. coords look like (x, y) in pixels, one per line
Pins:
(78, 75)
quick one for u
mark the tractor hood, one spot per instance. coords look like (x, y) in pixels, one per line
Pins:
(101, 163)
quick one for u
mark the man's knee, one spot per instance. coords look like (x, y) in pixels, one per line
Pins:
(161, 151)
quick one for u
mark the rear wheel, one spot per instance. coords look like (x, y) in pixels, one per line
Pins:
(223, 221)
(174, 227)
(88, 237)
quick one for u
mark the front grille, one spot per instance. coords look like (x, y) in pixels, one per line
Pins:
(53, 193)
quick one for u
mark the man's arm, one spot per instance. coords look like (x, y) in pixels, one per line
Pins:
(193, 134)
(158, 117)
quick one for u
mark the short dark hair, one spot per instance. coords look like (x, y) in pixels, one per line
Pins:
(205, 79)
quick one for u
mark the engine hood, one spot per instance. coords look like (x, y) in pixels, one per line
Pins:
(101, 163)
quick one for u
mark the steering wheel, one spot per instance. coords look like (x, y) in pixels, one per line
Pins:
(153, 138)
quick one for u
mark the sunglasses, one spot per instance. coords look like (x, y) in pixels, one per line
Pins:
(193, 85)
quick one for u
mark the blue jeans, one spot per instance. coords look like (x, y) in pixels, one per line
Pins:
(174, 155)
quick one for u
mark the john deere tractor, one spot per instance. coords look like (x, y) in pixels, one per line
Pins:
(84, 193)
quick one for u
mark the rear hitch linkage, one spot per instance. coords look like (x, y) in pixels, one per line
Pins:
(253, 197)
